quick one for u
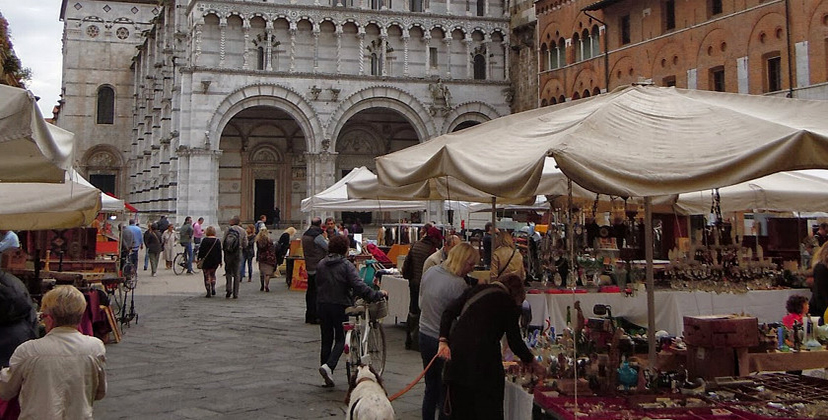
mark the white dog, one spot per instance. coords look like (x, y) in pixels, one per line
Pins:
(367, 399)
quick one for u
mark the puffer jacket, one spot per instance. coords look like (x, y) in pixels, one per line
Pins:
(337, 282)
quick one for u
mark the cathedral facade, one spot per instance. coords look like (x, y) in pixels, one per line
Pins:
(220, 108)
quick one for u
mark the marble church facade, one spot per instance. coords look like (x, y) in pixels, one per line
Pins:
(234, 107)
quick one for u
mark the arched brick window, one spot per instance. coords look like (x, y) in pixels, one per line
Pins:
(106, 105)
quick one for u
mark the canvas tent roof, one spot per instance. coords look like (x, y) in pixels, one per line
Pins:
(42, 205)
(336, 198)
(32, 150)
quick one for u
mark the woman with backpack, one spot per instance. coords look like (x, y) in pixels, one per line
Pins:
(266, 256)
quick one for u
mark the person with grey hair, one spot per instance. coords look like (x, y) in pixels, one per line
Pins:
(315, 247)
(60, 375)
(235, 239)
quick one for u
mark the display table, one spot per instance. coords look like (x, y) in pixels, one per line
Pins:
(517, 403)
(670, 306)
(398, 299)
(779, 361)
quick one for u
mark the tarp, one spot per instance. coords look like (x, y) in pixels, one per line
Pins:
(636, 141)
(40, 205)
(795, 191)
(336, 198)
(31, 150)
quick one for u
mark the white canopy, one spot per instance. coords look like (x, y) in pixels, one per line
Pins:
(635, 141)
(109, 204)
(798, 191)
(336, 197)
(32, 150)
(41, 205)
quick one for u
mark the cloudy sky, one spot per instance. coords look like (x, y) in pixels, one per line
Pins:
(35, 34)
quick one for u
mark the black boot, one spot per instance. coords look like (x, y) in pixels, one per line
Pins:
(412, 332)
(261, 279)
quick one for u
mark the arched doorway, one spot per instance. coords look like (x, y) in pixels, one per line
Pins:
(367, 134)
(262, 166)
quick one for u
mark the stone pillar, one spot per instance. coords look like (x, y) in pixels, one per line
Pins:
(197, 41)
(292, 32)
(338, 49)
(223, 42)
(382, 56)
(802, 61)
(427, 71)
(468, 41)
(405, 37)
(197, 194)
(692, 80)
(506, 49)
(316, 47)
(742, 74)
(268, 50)
(447, 42)
(246, 53)
(320, 170)
(361, 36)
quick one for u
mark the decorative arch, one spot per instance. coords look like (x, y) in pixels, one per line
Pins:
(668, 60)
(552, 89)
(106, 160)
(584, 81)
(379, 97)
(273, 95)
(265, 154)
(469, 111)
(623, 71)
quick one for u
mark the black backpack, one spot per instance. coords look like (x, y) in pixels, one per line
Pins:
(232, 243)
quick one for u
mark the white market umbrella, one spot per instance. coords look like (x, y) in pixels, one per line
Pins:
(43, 205)
(336, 197)
(31, 150)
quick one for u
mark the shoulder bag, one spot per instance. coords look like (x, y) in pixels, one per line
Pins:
(200, 261)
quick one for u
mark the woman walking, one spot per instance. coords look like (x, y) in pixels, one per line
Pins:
(152, 240)
(209, 253)
(248, 254)
(168, 241)
(266, 256)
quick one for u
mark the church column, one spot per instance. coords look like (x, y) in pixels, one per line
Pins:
(468, 41)
(447, 42)
(338, 49)
(223, 41)
(269, 47)
(320, 171)
(427, 70)
(246, 54)
(197, 42)
(383, 49)
(315, 47)
(505, 46)
(197, 184)
(292, 32)
(361, 36)
(405, 37)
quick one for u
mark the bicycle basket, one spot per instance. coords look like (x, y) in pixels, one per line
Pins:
(378, 309)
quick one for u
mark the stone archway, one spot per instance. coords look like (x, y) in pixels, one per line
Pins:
(103, 166)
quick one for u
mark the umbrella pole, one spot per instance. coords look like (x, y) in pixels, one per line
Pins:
(648, 254)
(494, 226)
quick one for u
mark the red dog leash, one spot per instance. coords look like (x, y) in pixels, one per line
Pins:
(414, 382)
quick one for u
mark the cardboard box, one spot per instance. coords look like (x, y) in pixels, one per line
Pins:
(727, 331)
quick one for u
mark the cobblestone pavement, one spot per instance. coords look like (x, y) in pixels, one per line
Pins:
(189, 357)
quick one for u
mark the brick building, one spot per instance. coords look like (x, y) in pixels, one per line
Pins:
(752, 46)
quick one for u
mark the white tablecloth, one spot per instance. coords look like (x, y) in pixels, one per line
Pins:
(397, 288)
(517, 403)
(670, 306)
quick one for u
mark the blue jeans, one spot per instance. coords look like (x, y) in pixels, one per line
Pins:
(247, 260)
(188, 253)
(146, 260)
(435, 392)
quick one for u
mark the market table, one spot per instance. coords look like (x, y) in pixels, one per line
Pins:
(783, 361)
(517, 403)
(671, 306)
(397, 288)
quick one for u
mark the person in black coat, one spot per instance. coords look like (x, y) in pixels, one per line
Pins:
(336, 281)
(819, 290)
(18, 318)
(210, 252)
(474, 374)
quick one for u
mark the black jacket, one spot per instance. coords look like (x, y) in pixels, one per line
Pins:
(18, 319)
(210, 252)
(313, 253)
(337, 281)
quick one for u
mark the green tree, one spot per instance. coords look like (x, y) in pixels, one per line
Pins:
(12, 71)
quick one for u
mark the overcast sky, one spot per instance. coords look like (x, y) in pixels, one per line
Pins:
(35, 34)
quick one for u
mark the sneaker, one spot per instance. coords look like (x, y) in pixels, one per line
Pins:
(154, 274)
(327, 375)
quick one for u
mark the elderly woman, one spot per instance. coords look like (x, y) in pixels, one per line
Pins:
(439, 286)
(266, 256)
(506, 258)
(336, 281)
(210, 253)
(60, 375)
(168, 240)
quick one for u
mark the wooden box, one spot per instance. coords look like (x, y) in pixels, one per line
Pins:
(728, 331)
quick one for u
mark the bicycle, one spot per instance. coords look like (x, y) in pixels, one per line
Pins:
(180, 262)
(364, 336)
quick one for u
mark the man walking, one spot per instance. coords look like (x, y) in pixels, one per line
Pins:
(315, 248)
(413, 271)
(137, 243)
(198, 232)
(235, 239)
(185, 237)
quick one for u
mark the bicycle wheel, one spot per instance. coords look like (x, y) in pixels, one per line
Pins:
(352, 361)
(179, 263)
(376, 346)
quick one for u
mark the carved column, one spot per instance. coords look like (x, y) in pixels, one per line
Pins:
(223, 42)
(405, 37)
(361, 54)
(197, 38)
(246, 53)
(292, 32)
(383, 53)
(338, 49)
(268, 50)
(468, 42)
(447, 42)
(320, 170)
(315, 47)
(505, 46)
(427, 70)
(487, 41)
(448, 7)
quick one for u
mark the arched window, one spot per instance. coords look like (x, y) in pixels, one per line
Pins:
(260, 58)
(481, 7)
(544, 103)
(553, 101)
(576, 42)
(561, 99)
(546, 63)
(561, 52)
(554, 57)
(376, 67)
(596, 91)
(586, 94)
(106, 105)
(595, 40)
(479, 67)
(576, 96)
(586, 45)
